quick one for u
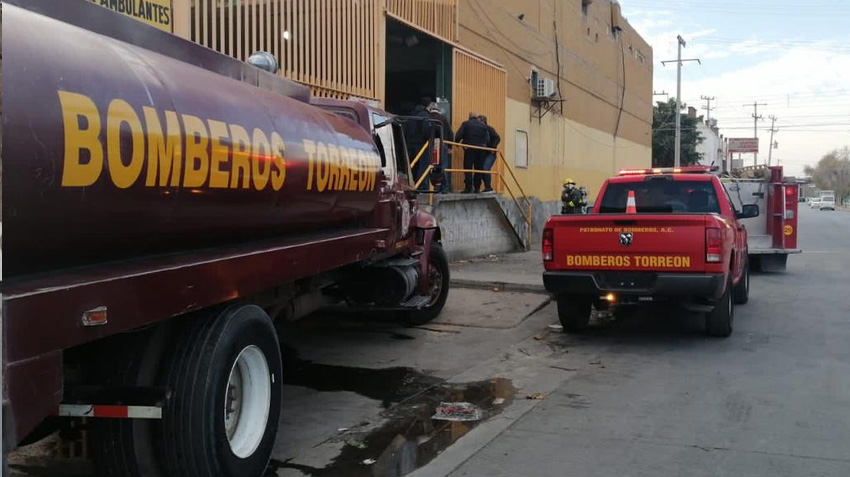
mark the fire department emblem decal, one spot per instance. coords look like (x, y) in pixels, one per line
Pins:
(626, 239)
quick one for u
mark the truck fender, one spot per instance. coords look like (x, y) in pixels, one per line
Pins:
(426, 223)
(427, 232)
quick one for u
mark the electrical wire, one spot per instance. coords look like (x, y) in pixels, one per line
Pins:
(623, 95)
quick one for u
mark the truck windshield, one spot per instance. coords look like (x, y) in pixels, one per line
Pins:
(661, 196)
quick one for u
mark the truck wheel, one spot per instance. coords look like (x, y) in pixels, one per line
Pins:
(574, 313)
(742, 289)
(718, 322)
(124, 447)
(225, 380)
(438, 271)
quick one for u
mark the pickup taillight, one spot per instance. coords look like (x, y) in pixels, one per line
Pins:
(713, 245)
(548, 245)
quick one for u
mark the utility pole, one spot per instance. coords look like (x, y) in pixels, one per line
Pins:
(770, 146)
(756, 118)
(708, 109)
(677, 147)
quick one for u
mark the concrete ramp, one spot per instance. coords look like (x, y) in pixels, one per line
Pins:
(474, 225)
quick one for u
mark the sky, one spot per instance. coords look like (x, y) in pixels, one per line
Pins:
(792, 57)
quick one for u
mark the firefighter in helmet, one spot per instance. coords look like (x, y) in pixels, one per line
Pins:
(571, 198)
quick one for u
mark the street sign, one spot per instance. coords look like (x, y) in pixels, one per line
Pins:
(743, 144)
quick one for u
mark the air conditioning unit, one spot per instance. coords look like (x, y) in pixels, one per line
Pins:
(545, 88)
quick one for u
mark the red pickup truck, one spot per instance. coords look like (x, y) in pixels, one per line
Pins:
(654, 235)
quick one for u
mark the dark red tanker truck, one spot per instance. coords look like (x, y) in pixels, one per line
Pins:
(163, 205)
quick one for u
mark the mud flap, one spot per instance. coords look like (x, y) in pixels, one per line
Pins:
(773, 263)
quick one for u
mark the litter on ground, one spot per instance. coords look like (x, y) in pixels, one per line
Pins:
(457, 411)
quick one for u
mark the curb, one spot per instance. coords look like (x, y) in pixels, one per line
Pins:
(502, 286)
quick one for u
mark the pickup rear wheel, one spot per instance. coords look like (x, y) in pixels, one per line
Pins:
(718, 322)
(574, 312)
(225, 379)
(742, 289)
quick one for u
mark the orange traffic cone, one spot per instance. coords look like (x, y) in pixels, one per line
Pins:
(630, 203)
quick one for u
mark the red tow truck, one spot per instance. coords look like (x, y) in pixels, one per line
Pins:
(163, 206)
(654, 235)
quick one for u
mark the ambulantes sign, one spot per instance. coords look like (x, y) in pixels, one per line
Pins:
(156, 13)
(743, 144)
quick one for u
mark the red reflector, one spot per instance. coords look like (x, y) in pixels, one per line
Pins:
(435, 152)
(548, 245)
(713, 245)
(95, 317)
(110, 411)
(789, 191)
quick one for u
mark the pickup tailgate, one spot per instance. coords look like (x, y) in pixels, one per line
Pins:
(662, 243)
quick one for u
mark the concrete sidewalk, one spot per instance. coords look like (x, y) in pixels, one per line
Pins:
(518, 272)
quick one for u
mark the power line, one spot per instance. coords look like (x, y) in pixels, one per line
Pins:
(756, 118)
(678, 144)
(771, 145)
(708, 109)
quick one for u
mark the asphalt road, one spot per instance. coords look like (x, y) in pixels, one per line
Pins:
(662, 400)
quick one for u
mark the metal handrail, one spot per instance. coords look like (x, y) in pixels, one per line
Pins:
(525, 214)
(418, 156)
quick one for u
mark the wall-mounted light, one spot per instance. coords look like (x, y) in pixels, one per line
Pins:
(286, 35)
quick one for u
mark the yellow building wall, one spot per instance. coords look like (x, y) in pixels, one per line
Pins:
(604, 78)
(559, 147)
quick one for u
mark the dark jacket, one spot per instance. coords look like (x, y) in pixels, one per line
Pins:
(474, 133)
(447, 127)
(415, 131)
(495, 139)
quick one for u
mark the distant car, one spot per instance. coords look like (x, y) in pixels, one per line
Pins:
(815, 203)
(827, 203)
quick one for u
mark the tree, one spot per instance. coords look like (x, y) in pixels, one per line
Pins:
(664, 136)
(832, 172)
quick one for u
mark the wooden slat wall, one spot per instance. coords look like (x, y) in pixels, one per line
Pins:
(481, 87)
(434, 16)
(332, 45)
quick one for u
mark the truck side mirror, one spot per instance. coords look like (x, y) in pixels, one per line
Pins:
(748, 211)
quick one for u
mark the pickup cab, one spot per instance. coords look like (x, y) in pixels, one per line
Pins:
(670, 235)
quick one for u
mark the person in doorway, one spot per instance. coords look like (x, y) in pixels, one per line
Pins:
(571, 199)
(417, 132)
(489, 158)
(445, 150)
(474, 133)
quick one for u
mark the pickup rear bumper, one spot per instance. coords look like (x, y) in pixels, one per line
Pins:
(649, 284)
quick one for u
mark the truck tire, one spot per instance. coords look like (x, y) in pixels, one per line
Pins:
(438, 269)
(124, 447)
(718, 322)
(225, 378)
(742, 289)
(574, 312)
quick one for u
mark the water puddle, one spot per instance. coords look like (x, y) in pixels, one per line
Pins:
(409, 438)
(388, 385)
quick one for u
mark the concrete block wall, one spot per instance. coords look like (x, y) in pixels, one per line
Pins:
(474, 225)
(540, 212)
